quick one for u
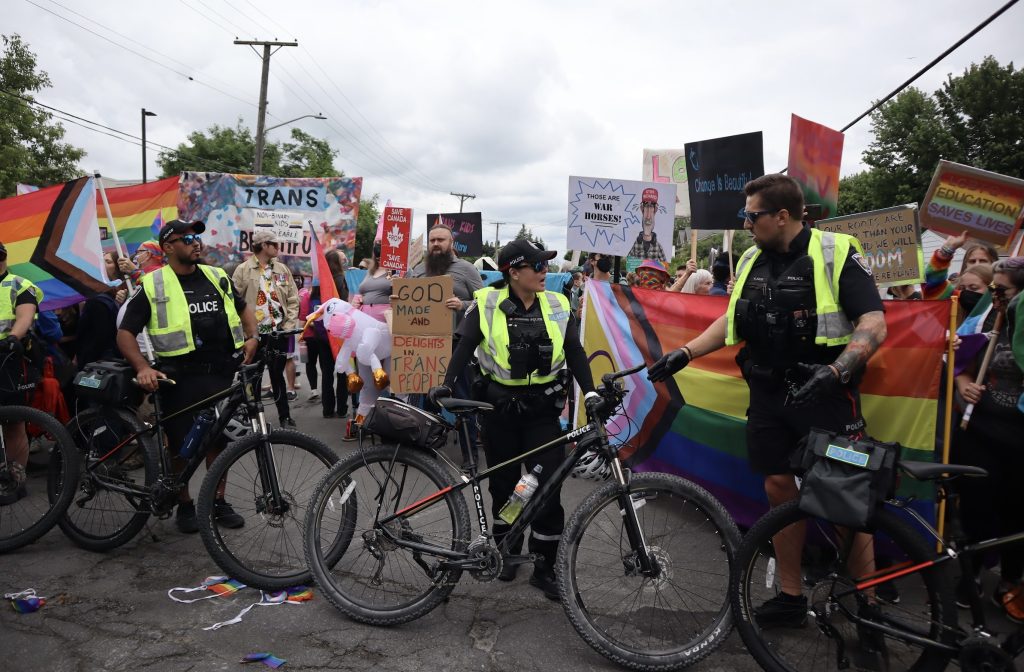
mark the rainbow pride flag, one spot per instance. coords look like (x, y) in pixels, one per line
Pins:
(139, 211)
(52, 239)
(703, 437)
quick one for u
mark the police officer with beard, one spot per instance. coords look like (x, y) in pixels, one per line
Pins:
(196, 322)
(524, 338)
(806, 307)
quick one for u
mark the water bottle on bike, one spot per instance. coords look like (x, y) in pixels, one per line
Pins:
(525, 488)
(195, 435)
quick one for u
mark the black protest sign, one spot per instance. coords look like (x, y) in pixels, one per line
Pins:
(716, 172)
(467, 230)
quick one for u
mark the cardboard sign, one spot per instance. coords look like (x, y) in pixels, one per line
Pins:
(621, 217)
(292, 228)
(394, 245)
(891, 239)
(815, 153)
(717, 170)
(421, 333)
(961, 198)
(467, 230)
(666, 166)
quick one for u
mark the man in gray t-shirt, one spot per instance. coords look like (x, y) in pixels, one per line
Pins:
(441, 260)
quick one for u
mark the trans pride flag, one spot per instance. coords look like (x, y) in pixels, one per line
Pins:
(52, 239)
(139, 211)
(703, 438)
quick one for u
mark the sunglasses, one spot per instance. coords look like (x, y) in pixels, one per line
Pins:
(999, 289)
(188, 239)
(753, 216)
(537, 266)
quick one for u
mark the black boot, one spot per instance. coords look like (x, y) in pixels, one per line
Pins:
(508, 571)
(543, 576)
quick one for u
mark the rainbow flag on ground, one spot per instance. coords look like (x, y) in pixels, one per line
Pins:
(703, 438)
(52, 239)
(139, 211)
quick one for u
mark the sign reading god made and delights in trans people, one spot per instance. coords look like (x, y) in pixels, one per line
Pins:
(394, 245)
(621, 217)
(961, 198)
(669, 166)
(421, 333)
(467, 231)
(891, 239)
(716, 171)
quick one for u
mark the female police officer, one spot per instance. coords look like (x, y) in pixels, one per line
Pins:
(524, 338)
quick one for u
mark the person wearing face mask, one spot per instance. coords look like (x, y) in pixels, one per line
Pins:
(936, 272)
(971, 286)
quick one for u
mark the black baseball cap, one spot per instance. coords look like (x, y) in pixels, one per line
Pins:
(522, 251)
(178, 226)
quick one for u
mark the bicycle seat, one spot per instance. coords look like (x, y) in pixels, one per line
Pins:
(928, 471)
(463, 405)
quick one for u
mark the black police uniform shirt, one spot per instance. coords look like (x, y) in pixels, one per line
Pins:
(526, 324)
(789, 271)
(210, 328)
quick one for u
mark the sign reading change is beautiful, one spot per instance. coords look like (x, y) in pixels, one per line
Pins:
(716, 171)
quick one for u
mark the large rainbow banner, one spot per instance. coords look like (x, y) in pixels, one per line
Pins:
(52, 240)
(703, 438)
(139, 211)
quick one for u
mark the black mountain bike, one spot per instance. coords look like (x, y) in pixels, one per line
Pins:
(267, 476)
(40, 500)
(853, 624)
(643, 562)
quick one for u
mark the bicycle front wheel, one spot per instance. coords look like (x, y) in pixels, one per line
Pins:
(102, 516)
(826, 636)
(663, 621)
(377, 580)
(261, 545)
(33, 506)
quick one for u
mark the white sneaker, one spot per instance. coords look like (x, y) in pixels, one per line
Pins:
(314, 395)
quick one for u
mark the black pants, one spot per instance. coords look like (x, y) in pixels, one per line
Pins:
(191, 387)
(275, 366)
(506, 435)
(333, 398)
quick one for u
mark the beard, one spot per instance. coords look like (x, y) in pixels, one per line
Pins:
(438, 263)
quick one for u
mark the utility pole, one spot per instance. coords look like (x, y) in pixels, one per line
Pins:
(497, 228)
(261, 121)
(145, 113)
(462, 198)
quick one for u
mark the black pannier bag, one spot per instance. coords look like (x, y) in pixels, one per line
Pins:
(108, 382)
(18, 379)
(845, 480)
(397, 421)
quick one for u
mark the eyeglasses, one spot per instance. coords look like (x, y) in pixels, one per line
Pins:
(537, 266)
(188, 239)
(753, 216)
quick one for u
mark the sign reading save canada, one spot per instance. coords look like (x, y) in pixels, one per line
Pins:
(394, 245)
(891, 239)
(421, 333)
(961, 198)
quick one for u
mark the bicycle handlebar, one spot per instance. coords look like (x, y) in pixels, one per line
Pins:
(159, 381)
(609, 378)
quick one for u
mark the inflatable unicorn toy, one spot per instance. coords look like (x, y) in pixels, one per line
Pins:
(363, 336)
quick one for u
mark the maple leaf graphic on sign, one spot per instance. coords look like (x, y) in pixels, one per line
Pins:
(395, 236)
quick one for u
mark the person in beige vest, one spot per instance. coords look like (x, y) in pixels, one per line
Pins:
(268, 286)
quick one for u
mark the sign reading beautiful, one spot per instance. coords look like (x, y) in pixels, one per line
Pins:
(621, 217)
(718, 169)
(962, 198)
(394, 245)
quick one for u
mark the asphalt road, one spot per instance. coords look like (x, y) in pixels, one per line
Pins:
(111, 611)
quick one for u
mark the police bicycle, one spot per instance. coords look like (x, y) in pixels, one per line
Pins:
(643, 562)
(267, 476)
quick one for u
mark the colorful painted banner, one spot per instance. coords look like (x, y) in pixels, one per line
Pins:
(717, 170)
(139, 211)
(467, 229)
(229, 205)
(52, 240)
(397, 232)
(891, 239)
(621, 217)
(815, 153)
(666, 166)
(703, 438)
(962, 198)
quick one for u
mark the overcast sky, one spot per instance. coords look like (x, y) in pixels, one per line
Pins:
(504, 101)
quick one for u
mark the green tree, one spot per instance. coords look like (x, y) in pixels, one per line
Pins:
(307, 156)
(526, 234)
(366, 227)
(857, 193)
(31, 143)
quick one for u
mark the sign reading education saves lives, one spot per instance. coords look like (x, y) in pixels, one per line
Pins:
(421, 333)
(962, 198)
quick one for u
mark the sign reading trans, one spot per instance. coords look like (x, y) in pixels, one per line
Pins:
(621, 217)
(716, 171)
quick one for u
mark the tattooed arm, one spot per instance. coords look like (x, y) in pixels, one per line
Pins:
(868, 334)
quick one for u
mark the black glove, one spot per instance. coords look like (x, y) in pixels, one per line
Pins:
(668, 365)
(595, 406)
(821, 381)
(11, 345)
(438, 392)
